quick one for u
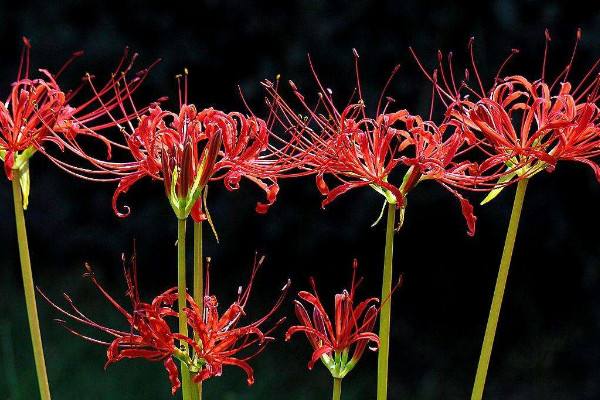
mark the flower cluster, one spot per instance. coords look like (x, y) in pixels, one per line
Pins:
(483, 140)
(339, 342)
(216, 339)
(38, 111)
(186, 150)
(523, 126)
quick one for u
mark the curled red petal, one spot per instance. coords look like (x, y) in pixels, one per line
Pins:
(173, 375)
(467, 211)
(271, 190)
(340, 190)
(9, 162)
(123, 186)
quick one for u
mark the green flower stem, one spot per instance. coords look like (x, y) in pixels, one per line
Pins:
(386, 308)
(490, 330)
(32, 314)
(198, 267)
(198, 278)
(186, 387)
(337, 388)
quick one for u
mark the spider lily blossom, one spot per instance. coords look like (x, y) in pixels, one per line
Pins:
(149, 335)
(345, 144)
(180, 149)
(187, 149)
(339, 342)
(221, 339)
(39, 111)
(358, 150)
(525, 126)
(217, 340)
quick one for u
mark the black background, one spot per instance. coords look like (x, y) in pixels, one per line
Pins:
(547, 343)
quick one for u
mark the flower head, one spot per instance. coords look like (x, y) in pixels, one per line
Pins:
(344, 143)
(523, 126)
(187, 149)
(341, 341)
(216, 339)
(149, 335)
(222, 339)
(39, 111)
(355, 149)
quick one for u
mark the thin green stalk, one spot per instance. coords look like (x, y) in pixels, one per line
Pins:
(198, 267)
(198, 278)
(490, 330)
(32, 314)
(386, 308)
(186, 387)
(337, 388)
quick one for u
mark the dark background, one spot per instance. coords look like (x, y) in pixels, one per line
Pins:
(547, 344)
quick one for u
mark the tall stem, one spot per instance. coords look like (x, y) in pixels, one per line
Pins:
(198, 278)
(181, 292)
(386, 308)
(490, 329)
(337, 388)
(32, 314)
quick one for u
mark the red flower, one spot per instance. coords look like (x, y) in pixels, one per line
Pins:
(523, 126)
(347, 145)
(217, 340)
(186, 150)
(149, 335)
(340, 343)
(181, 149)
(358, 150)
(39, 111)
(220, 338)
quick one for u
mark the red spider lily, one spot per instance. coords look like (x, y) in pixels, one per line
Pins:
(220, 339)
(165, 146)
(527, 126)
(356, 150)
(340, 343)
(149, 337)
(217, 339)
(187, 150)
(39, 111)
(361, 151)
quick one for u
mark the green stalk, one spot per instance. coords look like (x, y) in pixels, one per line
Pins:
(186, 388)
(386, 308)
(32, 314)
(198, 279)
(490, 330)
(337, 388)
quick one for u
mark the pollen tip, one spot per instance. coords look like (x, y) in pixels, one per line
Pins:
(579, 33)
(26, 41)
(186, 71)
(547, 34)
(278, 77)
(355, 52)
